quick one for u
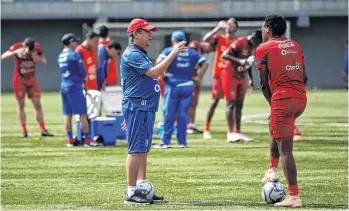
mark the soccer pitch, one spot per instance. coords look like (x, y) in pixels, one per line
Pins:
(42, 173)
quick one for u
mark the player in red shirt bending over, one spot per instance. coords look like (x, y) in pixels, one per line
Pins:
(241, 55)
(282, 76)
(26, 54)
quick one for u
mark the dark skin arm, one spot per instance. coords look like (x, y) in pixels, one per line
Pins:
(263, 75)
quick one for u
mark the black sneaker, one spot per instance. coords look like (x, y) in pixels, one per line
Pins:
(157, 198)
(74, 144)
(25, 134)
(46, 133)
(137, 198)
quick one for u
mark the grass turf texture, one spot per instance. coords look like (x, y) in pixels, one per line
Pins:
(42, 173)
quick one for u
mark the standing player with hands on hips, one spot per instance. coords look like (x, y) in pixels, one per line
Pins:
(280, 64)
(26, 54)
(141, 94)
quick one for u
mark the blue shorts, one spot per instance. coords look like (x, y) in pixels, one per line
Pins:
(74, 103)
(139, 133)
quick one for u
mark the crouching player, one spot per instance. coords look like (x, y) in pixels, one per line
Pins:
(282, 76)
(73, 76)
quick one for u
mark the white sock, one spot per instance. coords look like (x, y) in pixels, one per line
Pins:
(139, 181)
(131, 190)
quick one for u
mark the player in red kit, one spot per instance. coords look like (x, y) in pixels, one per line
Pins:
(241, 55)
(199, 47)
(280, 64)
(219, 43)
(26, 54)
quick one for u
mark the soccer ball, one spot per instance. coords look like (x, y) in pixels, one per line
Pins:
(147, 188)
(273, 192)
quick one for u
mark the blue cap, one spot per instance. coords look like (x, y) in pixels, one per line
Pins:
(68, 38)
(178, 36)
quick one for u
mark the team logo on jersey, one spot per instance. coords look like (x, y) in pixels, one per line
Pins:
(91, 70)
(285, 52)
(286, 45)
(294, 67)
(157, 88)
(223, 48)
(89, 60)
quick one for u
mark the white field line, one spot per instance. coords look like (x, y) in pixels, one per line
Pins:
(249, 118)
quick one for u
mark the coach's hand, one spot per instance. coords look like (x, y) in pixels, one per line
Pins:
(179, 47)
(123, 126)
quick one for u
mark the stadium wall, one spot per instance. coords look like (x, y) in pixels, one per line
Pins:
(322, 42)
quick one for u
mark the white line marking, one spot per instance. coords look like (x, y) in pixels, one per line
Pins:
(248, 118)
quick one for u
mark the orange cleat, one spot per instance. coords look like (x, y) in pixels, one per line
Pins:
(290, 201)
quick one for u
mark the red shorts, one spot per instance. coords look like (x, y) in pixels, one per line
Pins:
(233, 89)
(217, 89)
(283, 115)
(196, 95)
(21, 87)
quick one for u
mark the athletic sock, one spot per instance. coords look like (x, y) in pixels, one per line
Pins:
(293, 190)
(70, 135)
(207, 126)
(42, 126)
(139, 181)
(273, 162)
(237, 131)
(87, 135)
(131, 190)
(24, 127)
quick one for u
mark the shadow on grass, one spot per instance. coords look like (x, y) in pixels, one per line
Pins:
(247, 204)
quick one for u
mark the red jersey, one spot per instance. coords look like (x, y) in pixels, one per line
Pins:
(112, 71)
(89, 60)
(242, 49)
(283, 59)
(24, 63)
(221, 43)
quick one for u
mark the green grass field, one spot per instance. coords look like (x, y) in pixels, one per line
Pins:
(209, 175)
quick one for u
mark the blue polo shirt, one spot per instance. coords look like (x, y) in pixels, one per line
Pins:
(140, 92)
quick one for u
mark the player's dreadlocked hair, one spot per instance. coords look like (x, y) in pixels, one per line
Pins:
(276, 23)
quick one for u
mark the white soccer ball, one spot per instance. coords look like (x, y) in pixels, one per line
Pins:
(147, 188)
(273, 192)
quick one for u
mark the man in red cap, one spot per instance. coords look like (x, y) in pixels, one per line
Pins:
(141, 94)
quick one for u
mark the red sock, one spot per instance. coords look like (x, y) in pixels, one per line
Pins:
(42, 126)
(24, 127)
(237, 131)
(273, 162)
(207, 126)
(293, 190)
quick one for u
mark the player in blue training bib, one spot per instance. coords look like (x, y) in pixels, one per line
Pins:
(179, 87)
(73, 76)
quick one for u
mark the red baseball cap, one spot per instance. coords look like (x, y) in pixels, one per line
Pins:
(140, 24)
